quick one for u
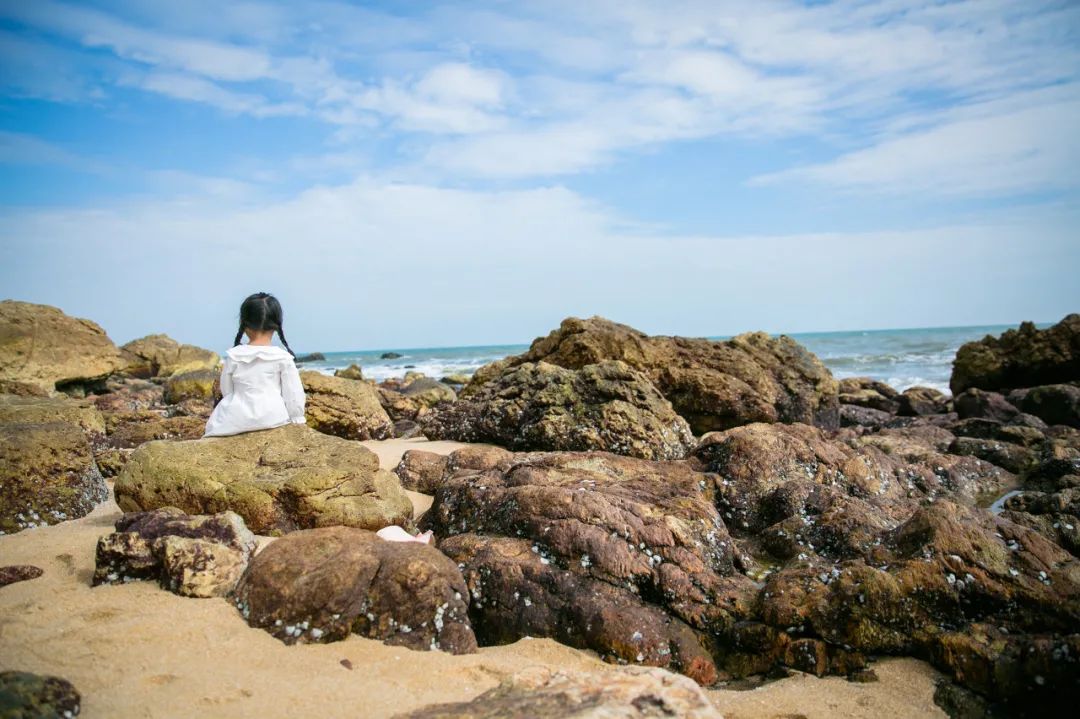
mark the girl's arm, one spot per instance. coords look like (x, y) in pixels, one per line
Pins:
(226, 378)
(292, 391)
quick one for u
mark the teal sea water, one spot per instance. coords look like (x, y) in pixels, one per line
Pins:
(902, 358)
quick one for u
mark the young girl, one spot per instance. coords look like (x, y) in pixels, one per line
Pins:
(261, 386)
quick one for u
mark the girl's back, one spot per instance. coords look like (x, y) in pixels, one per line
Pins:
(260, 388)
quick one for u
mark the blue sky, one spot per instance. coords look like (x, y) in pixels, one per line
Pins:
(424, 174)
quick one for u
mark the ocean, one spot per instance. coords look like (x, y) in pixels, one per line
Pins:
(902, 358)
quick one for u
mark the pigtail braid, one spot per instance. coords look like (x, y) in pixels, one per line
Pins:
(281, 334)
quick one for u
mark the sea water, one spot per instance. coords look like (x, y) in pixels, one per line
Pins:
(902, 358)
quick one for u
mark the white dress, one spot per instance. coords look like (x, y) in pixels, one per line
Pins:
(260, 389)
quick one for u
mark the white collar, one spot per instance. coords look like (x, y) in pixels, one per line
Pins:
(247, 353)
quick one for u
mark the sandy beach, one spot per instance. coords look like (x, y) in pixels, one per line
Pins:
(136, 650)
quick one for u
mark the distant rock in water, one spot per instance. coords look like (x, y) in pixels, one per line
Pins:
(353, 371)
(390, 355)
(43, 348)
(313, 357)
(278, 480)
(713, 385)
(162, 356)
(1023, 357)
(607, 406)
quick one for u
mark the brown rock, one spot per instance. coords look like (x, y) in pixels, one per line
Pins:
(976, 403)
(41, 346)
(428, 392)
(1023, 357)
(421, 471)
(869, 393)
(920, 401)
(18, 573)
(713, 385)
(197, 384)
(1012, 457)
(353, 372)
(629, 694)
(319, 585)
(1054, 404)
(855, 416)
(162, 356)
(278, 480)
(345, 408)
(31, 695)
(606, 406)
(43, 410)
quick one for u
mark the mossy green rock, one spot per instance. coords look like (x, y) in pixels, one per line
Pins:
(47, 475)
(345, 408)
(353, 371)
(24, 696)
(41, 346)
(607, 406)
(43, 410)
(198, 384)
(278, 480)
(162, 356)
(1023, 357)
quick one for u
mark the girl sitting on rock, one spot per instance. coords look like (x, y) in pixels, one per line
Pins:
(261, 386)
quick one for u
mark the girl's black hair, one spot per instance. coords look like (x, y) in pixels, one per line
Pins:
(261, 312)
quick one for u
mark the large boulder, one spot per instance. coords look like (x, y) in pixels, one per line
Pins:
(43, 410)
(47, 475)
(320, 585)
(712, 385)
(978, 404)
(1054, 403)
(1023, 357)
(193, 556)
(636, 693)
(43, 347)
(607, 406)
(162, 356)
(278, 480)
(619, 555)
(345, 408)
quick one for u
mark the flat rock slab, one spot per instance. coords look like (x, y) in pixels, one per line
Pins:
(321, 585)
(630, 694)
(278, 480)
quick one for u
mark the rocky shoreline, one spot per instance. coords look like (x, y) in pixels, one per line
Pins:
(718, 509)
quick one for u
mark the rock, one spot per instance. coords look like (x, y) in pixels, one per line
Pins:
(636, 693)
(43, 410)
(619, 555)
(712, 385)
(47, 475)
(18, 573)
(975, 403)
(428, 392)
(1012, 457)
(456, 379)
(421, 471)
(128, 430)
(941, 585)
(162, 356)
(399, 407)
(1016, 431)
(28, 696)
(319, 585)
(920, 401)
(606, 406)
(1023, 357)
(278, 480)
(22, 389)
(313, 357)
(345, 408)
(353, 371)
(198, 384)
(193, 556)
(43, 347)
(129, 395)
(856, 416)
(1054, 404)
(390, 355)
(411, 377)
(407, 429)
(869, 393)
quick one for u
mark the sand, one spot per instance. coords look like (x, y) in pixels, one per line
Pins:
(136, 650)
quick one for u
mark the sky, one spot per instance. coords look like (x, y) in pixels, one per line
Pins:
(440, 174)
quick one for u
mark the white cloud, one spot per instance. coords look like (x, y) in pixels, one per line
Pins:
(1019, 150)
(196, 89)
